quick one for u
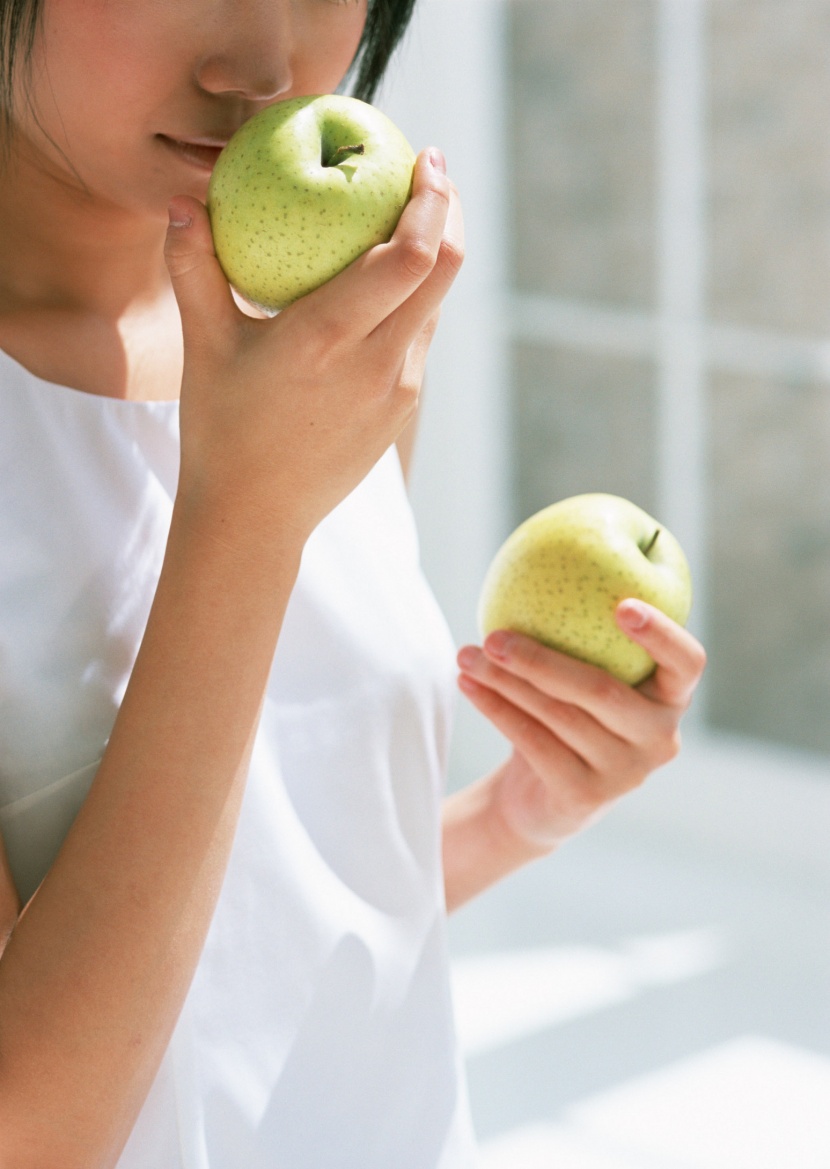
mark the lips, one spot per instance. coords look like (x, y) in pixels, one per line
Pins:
(199, 152)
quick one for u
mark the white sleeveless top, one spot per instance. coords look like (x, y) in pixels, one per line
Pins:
(317, 1033)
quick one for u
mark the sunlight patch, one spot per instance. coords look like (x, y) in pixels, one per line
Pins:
(503, 997)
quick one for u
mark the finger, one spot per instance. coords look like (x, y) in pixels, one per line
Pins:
(202, 291)
(680, 657)
(407, 321)
(573, 726)
(380, 280)
(544, 752)
(613, 704)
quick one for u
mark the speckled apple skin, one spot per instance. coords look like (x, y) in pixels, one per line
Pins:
(560, 576)
(280, 231)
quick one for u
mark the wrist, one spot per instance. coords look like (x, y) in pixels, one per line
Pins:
(482, 843)
(237, 520)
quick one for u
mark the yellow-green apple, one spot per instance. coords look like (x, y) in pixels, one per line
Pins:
(301, 190)
(560, 576)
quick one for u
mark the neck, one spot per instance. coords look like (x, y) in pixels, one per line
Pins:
(63, 248)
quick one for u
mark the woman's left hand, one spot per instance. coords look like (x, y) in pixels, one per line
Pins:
(581, 738)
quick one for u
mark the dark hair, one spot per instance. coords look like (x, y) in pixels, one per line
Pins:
(18, 24)
(386, 23)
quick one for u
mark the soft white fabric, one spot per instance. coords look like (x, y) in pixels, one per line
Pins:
(318, 1031)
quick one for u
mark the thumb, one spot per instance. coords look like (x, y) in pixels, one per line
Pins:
(202, 291)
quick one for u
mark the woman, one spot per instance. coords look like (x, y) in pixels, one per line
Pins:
(224, 685)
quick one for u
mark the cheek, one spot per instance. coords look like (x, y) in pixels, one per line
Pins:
(94, 77)
(326, 44)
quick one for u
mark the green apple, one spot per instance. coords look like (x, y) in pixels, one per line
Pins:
(301, 190)
(560, 576)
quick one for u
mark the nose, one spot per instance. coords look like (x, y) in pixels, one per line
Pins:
(221, 75)
(254, 60)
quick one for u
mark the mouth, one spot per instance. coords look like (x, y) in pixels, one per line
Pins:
(201, 153)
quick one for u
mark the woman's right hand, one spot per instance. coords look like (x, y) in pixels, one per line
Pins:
(282, 418)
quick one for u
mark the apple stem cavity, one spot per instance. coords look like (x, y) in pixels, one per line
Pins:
(342, 153)
(651, 543)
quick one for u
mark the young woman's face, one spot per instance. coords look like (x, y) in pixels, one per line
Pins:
(138, 96)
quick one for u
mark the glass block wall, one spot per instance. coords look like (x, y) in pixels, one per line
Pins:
(590, 252)
(583, 142)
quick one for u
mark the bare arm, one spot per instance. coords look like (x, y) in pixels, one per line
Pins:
(9, 900)
(93, 978)
(94, 975)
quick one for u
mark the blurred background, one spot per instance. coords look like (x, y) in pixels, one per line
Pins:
(645, 309)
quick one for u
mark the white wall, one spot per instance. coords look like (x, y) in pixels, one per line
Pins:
(446, 88)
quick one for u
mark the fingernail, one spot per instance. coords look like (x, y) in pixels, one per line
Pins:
(498, 644)
(437, 160)
(633, 615)
(178, 218)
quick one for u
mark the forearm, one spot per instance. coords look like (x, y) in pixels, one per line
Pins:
(479, 845)
(95, 973)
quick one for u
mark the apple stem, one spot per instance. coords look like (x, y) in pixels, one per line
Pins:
(651, 543)
(342, 153)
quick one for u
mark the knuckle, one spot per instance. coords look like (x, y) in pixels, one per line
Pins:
(409, 388)
(605, 689)
(438, 186)
(684, 704)
(334, 333)
(180, 261)
(562, 713)
(450, 257)
(406, 400)
(531, 652)
(673, 744)
(665, 749)
(319, 340)
(699, 658)
(417, 257)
